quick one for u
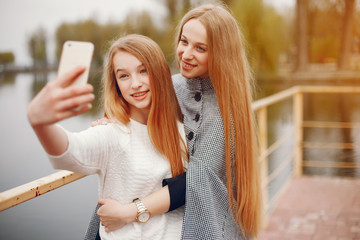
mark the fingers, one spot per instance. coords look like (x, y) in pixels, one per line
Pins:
(73, 112)
(67, 78)
(75, 103)
(76, 91)
(102, 121)
(101, 201)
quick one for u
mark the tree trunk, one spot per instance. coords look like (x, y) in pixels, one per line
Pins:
(347, 36)
(302, 35)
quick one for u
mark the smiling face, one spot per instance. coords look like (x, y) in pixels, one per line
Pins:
(192, 50)
(134, 84)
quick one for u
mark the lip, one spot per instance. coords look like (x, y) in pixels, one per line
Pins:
(140, 95)
(187, 66)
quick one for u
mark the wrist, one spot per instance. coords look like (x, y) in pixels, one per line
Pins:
(132, 213)
(143, 214)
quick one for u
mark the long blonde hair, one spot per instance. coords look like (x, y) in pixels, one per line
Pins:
(165, 112)
(230, 75)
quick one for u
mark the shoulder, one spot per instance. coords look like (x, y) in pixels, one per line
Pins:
(178, 80)
(112, 133)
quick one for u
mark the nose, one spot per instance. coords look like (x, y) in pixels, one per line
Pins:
(136, 82)
(187, 53)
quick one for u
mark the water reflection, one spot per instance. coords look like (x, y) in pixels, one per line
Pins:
(7, 79)
(39, 81)
(332, 108)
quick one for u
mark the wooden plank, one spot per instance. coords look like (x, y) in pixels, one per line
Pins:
(263, 142)
(298, 109)
(279, 169)
(323, 124)
(36, 188)
(329, 89)
(267, 101)
(275, 145)
(335, 145)
(328, 164)
(278, 195)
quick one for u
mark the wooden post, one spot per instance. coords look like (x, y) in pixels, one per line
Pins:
(298, 108)
(263, 144)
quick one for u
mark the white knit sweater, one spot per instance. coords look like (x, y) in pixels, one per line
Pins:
(128, 167)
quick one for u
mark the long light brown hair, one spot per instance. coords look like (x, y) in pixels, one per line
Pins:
(165, 112)
(230, 75)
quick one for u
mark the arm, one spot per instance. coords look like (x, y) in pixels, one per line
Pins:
(58, 100)
(114, 215)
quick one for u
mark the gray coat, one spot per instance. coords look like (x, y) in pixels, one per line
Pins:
(207, 214)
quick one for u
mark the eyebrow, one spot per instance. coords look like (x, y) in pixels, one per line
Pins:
(124, 70)
(196, 43)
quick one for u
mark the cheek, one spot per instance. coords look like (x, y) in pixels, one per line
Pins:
(179, 50)
(204, 61)
(122, 87)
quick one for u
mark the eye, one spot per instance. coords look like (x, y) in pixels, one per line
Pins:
(122, 76)
(201, 49)
(143, 70)
(183, 41)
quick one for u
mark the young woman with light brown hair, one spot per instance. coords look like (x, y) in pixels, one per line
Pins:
(132, 155)
(211, 30)
(220, 189)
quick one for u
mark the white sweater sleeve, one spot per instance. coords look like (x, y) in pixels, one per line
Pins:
(87, 151)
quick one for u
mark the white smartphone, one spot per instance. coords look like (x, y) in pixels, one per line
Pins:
(76, 53)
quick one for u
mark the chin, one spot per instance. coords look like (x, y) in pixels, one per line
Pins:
(187, 74)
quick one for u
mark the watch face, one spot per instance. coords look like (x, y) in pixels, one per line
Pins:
(143, 217)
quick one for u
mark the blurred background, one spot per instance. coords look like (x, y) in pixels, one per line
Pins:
(289, 42)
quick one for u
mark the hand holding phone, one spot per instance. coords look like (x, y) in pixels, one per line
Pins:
(76, 53)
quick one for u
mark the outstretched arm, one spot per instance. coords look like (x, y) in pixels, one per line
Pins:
(58, 100)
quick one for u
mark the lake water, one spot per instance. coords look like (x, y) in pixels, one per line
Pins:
(64, 213)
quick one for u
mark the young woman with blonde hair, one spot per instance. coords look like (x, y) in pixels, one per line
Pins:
(132, 155)
(221, 190)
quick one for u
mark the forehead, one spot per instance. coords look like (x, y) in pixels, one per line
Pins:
(124, 60)
(195, 31)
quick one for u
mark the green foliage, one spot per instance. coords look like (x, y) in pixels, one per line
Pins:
(264, 31)
(7, 57)
(325, 29)
(87, 30)
(37, 47)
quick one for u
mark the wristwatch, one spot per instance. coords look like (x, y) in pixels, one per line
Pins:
(143, 215)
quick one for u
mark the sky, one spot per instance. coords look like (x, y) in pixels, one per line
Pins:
(20, 18)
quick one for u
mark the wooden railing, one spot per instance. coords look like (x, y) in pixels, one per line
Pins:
(296, 94)
(33, 189)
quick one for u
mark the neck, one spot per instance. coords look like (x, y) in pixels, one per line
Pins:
(140, 116)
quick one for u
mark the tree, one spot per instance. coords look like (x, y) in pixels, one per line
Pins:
(264, 31)
(7, 58)
(347, 36)
(302, 35)
(37, 48)
(324, 30)
(87, 30)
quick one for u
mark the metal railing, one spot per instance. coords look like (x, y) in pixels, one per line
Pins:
(38, 187)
